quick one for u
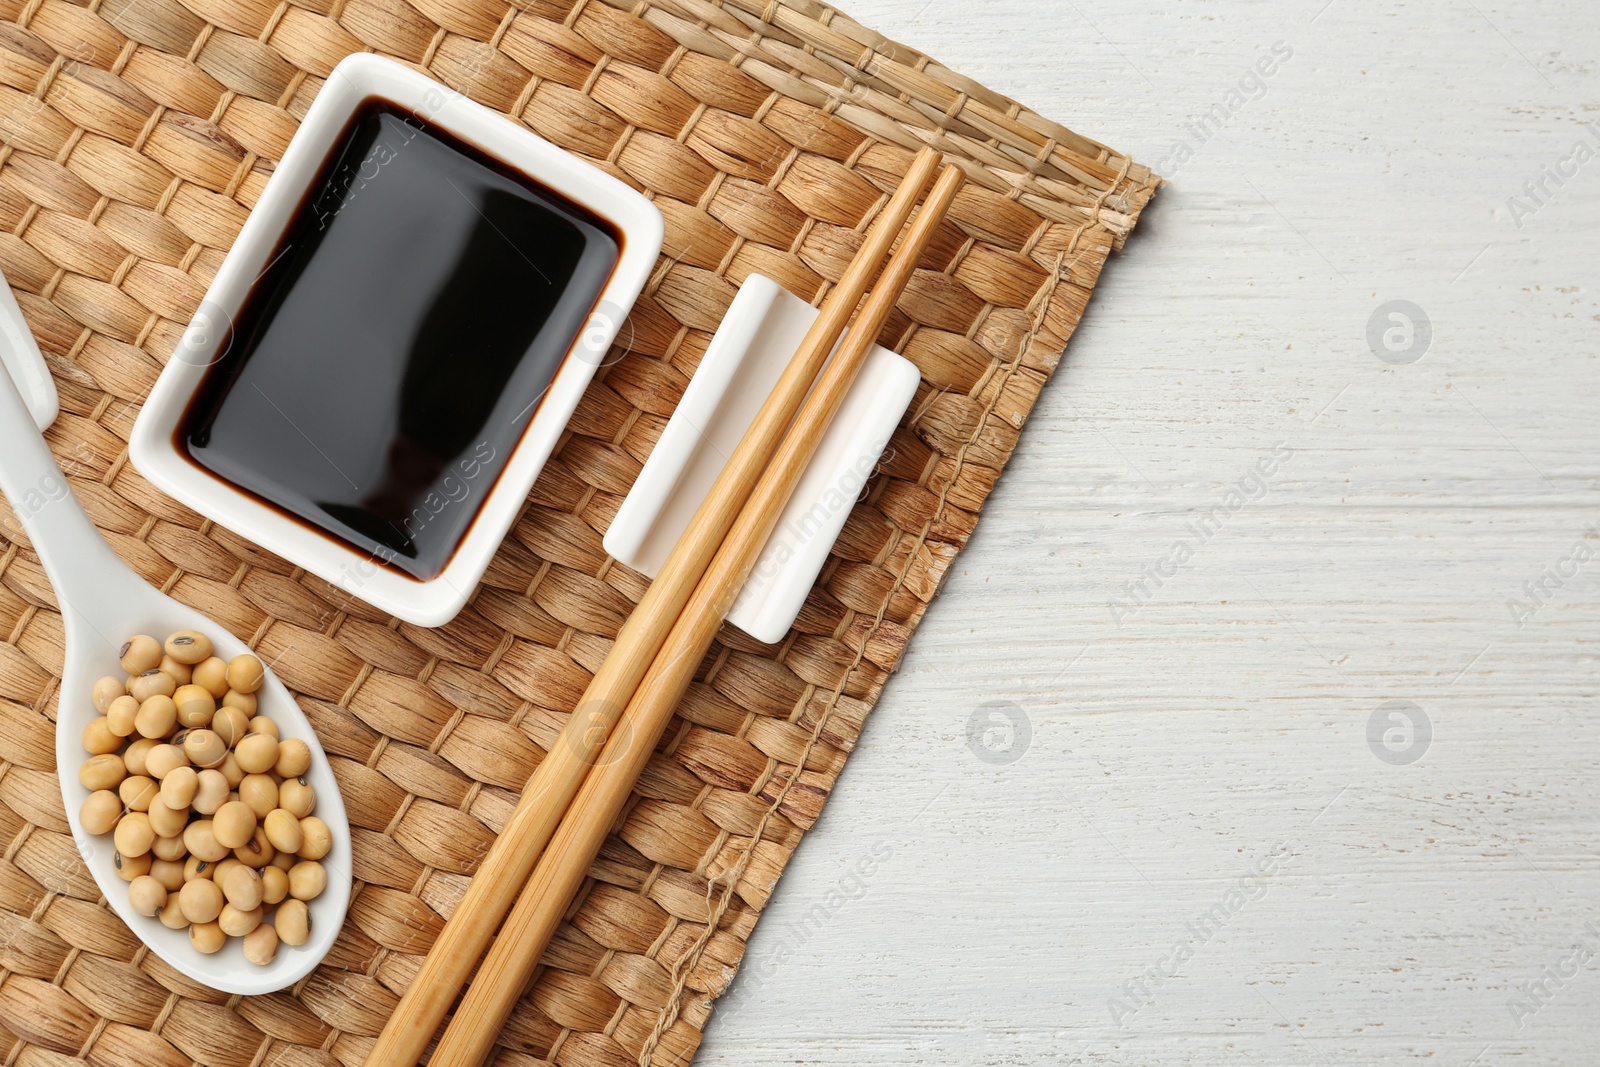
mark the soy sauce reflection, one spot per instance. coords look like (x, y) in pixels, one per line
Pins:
(386, 364)
(443, 412)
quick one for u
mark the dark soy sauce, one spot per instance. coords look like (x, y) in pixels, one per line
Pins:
(384, 366)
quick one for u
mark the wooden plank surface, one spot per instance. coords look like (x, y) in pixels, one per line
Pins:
(1104, 823)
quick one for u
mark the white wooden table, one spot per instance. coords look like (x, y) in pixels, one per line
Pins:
(1428, 866)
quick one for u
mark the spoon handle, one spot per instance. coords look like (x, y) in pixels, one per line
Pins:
(81, 566)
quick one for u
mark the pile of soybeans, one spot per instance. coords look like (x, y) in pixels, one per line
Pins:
(207, 806)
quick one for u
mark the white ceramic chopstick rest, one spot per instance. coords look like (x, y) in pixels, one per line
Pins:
(762, 329)
(21, 358)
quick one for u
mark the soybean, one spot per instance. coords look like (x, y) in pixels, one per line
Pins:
(205, 748)
(207, 937)
(258, 851)
(130, 867)
(179, 787)
(99, 739)
(168, 872)
(171, 916)
(292, 920)
(105, 691)
(212, 676)
(134, 755)
(231, 770)
(294, 758)
(307, 880)
(100, 812)
(274, 884)
(180, 672)
(230, 724)
(170, 848)
(202, 842)
(164, 758)
(188, 646)
(257, 753)
(202, 900)
(243, 887)
(122, 714)
(297, 797)
(283, 830)
(261, 944)
(133, 835)
(219, 872)
(245, 673)
(151, 683)
(195, 705)
(259, 792)
(137, 792)
(237, 922)
(156, 717)
(233, 824)
(140, 653)
(165, 821)
(211, 791)
(147, 895)
(105, 771)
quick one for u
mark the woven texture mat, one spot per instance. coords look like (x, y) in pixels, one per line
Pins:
(137, 134)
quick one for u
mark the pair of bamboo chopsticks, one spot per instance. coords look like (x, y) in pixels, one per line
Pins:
(573, 799)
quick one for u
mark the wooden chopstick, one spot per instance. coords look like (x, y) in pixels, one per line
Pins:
(512, 959)
(550, 790)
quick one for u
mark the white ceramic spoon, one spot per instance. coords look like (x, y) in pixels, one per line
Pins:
(103, 603)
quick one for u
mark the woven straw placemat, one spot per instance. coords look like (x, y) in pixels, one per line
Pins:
(136, 136)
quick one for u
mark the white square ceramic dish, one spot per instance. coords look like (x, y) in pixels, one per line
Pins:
(153, 447)
(763, 327)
